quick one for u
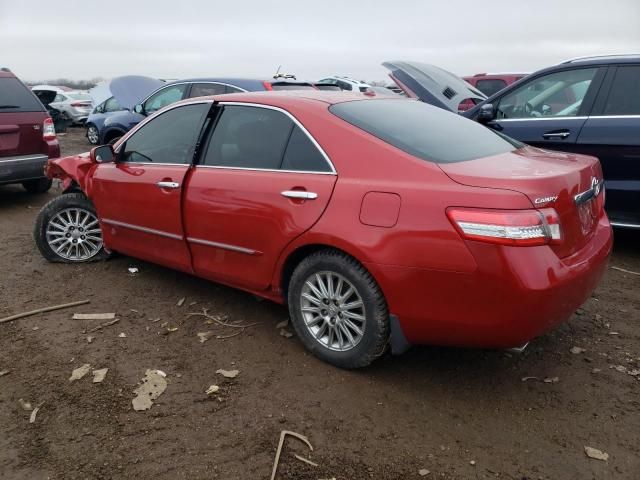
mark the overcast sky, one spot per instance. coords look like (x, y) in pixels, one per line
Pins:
(179, 39)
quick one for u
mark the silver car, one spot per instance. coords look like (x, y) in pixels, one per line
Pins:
(77, 105)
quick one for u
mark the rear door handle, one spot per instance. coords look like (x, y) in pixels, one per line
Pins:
(560, 134)
(168, 184)
(301, 194)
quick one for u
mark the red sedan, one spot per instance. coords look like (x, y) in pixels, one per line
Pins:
(378, 221)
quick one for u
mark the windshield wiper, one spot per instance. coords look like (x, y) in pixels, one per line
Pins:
(9, 106)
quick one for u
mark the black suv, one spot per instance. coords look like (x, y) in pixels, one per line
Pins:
(587, 105)
(27, 136)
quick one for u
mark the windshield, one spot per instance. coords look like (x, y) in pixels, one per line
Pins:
(424, 131)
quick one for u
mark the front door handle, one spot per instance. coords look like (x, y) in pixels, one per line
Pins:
(168, 184)
(300, 194)
(560, 134)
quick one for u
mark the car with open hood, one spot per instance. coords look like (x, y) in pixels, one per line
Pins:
(588, 105)
(380, 221)
(139, 107)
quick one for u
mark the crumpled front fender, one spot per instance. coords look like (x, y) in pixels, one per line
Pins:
(74, 171)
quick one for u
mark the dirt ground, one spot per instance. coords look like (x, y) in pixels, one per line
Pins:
(460, 414)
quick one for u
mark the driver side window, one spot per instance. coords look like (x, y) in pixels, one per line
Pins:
(164, 97)
(555, 95)
(168, 138)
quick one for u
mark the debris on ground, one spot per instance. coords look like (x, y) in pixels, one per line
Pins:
(90, 339)
(93, 316)
(596, 454)
(577, 350)
(204, 336)
(472, 463)
(551, 380)
(212, 389)
(283, 324)
(625, 271)
(423, 472)
(228, 373)
(4, 372)
(283, 434)
(32, 417)
(133, 270)
(172, 329)
(285, 333)
(99, 375)
(122, 335)
(596, 370)
(103, 325)
(80, 372)
(211, 319)
(43, 310)
(524, 379)
(181, 301)
(305, 460)
(153, 385)
(25, 405)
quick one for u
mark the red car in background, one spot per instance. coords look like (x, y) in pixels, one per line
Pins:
(489, 83)
(379, 221)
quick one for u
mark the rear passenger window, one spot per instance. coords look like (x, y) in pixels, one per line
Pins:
(302, 155)
(204, 89)
(249, 137)
(624, 97)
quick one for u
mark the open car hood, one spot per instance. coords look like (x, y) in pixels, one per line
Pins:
(100, 93)
(129, 90)
(432, 84)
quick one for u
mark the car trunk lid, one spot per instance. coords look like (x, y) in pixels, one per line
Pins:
(570, 184)
(433, 85)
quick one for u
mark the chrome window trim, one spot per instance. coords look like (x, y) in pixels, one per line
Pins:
(625, 225)
(224, 246)
(142, 229)
(216, 83)
(275, 170)
(190, 83)
(20, 158)
(581, 117)
(614, 116)
(296, 122)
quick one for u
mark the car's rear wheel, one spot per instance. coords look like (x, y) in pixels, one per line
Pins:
(92, 134)
(67, 230)
(338, 310)
(41, 185)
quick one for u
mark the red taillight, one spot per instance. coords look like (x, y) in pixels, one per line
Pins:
(80, 104)
(267, 85)
(48, 130)
(507, 227)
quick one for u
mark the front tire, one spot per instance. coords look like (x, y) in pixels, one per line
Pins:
(92, 134)
(338, 310)
(41, 185)
(67, 230)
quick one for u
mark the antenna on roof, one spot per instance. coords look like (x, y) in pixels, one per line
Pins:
(277, 71)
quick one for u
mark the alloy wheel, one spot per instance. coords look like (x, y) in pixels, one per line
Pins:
(333, 311)
(74, 234)
(92, 135)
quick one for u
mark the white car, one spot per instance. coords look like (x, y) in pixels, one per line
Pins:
(346, 83)
(75, 103)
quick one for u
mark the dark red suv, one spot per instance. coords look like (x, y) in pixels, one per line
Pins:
(27, 136)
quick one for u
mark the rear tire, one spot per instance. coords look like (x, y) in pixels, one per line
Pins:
(67, 230)
(93, 136)
(41, 185)
(348, 330)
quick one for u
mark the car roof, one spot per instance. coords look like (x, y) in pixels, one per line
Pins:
(620, 58)
(246, 83)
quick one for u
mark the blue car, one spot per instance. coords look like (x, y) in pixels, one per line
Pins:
(117, 125)
(589, 105)
(95, 120)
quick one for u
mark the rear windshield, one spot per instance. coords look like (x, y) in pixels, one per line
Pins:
(424, 131)
(292, 86)
(15, 97)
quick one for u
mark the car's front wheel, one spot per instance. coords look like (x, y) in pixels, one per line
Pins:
(92, 135)
(41, 185)
(67, 230)
(338, 310)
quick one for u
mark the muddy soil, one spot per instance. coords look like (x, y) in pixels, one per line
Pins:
(460, 414)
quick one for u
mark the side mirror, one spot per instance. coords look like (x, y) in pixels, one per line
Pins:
(102, 154)
(486, 113)
(139, 109)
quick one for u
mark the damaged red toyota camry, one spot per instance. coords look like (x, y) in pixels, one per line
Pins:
(379, 222)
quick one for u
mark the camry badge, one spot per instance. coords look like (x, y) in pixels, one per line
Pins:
(541, 200)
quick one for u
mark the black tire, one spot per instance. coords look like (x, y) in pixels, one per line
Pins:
(49, 211)
(92, 131)
(114, 140)
(41, 185)
(375, 336)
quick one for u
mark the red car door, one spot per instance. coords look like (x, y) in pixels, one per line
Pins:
(261, 182)
(138, 198)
